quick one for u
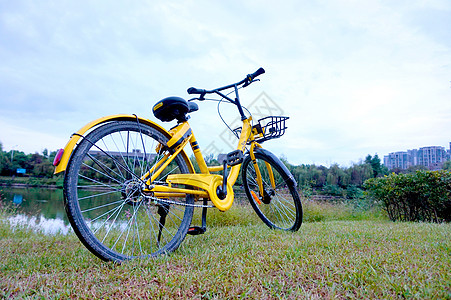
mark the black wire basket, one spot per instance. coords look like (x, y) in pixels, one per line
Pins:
(272, 127)
(267, 128)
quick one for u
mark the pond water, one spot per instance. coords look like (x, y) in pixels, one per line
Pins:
(39, 209)
(42, 209)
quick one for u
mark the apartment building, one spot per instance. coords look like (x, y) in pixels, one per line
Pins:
(397, 160)
(431, 157)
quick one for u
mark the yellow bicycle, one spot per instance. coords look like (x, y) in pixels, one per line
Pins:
(130, 189)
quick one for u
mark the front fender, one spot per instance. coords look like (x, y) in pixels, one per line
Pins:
(61, 165)
(286, 174)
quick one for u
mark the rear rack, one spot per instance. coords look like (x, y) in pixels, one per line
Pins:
(267, 128)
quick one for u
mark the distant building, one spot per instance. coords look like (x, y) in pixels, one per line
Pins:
(431, 157)
(397, 160)
(134, 154)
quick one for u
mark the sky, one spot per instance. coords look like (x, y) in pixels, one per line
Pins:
(355, 77)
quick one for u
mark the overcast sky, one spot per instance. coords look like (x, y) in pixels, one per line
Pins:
(355, 77)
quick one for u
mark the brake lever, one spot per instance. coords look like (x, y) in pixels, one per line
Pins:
(201, 98)
(249, 82)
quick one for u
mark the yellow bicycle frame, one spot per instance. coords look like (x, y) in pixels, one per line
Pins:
(204, 184)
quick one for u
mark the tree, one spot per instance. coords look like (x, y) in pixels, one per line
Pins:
(375, 163)
(43, 169)
(193, 160)
(2, 159)
(211, 161)
(359, 173)
(45, 153)
(447, 165)
(19, 160)
(414, 169)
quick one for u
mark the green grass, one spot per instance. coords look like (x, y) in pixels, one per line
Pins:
(313, 212)
(370, 258)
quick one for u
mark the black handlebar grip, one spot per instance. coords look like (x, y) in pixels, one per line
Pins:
(260, 71)
(255, 74)
(193, 90)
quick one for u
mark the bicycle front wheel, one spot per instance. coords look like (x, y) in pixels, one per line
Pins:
(278, 204)
(106, 199)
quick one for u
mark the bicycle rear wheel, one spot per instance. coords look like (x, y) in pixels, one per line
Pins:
(279, 206)
(105, 197)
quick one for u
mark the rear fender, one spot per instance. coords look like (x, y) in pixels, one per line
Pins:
(74, 139)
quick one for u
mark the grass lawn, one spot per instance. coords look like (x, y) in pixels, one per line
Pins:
(326, 259)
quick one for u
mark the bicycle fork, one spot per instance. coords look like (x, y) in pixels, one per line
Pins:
(265, 196)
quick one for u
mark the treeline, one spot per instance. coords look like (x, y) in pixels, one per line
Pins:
(346, 182)
(311, 179)
(335, 180)
(36, 165)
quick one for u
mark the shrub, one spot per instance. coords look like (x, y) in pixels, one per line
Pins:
(421, 196)
(333, 190)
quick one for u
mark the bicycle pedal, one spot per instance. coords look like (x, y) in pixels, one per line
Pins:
(196, 230)
(234, 158)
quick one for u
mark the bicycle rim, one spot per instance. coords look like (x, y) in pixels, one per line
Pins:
(105, 199)
(279, 206)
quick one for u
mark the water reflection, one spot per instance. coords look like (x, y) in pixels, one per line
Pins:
(39, 224)
(17, 199)
(39, 209)
(42, 210)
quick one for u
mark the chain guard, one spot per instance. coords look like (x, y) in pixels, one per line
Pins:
(167, 201)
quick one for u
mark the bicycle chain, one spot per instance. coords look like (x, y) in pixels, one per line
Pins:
(155, 199)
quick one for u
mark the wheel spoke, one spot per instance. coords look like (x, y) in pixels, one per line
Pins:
(104, 168)
(101, 206)
(106, 192)
(97, 195)
(279, 205)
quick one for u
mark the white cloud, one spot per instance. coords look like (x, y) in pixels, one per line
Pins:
(355, 77)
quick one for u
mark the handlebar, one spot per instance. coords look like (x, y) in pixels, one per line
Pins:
(193, 90)
(246, 81)
(251, 77)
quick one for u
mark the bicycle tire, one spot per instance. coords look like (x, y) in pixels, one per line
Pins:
(104, 198)
(279, 207)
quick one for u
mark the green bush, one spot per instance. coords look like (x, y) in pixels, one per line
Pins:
(333, 190)
(422, 196)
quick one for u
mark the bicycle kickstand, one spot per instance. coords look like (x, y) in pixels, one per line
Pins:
(195, 230)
